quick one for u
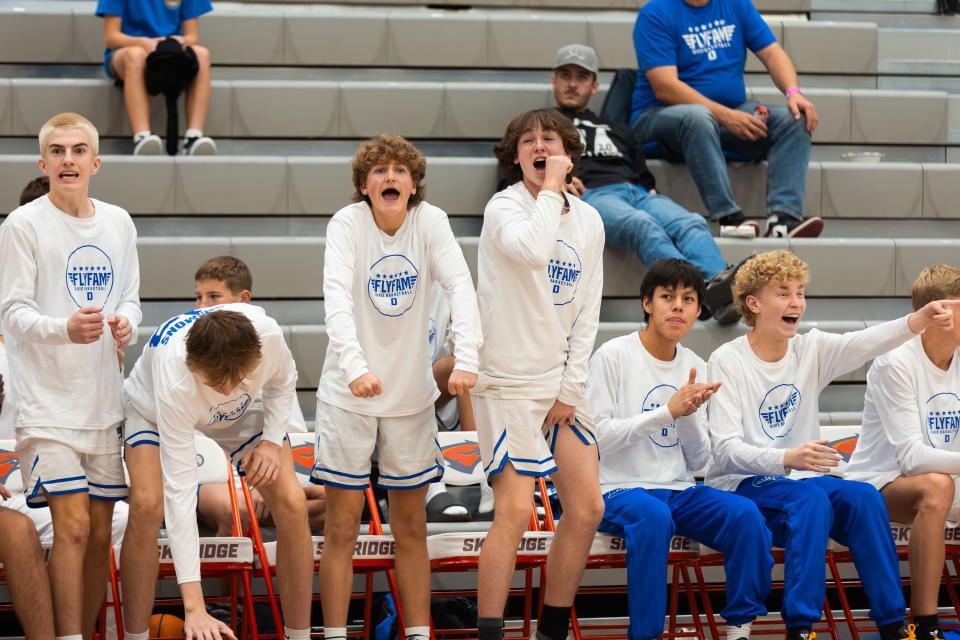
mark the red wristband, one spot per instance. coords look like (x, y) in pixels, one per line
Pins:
(792, 90)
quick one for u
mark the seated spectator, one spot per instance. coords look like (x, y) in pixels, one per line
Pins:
(908, 447)
(223, 280)
(690, 97)
(132, 29)
(613, 177)
(34, 189)
(454, 413)
(23, 564)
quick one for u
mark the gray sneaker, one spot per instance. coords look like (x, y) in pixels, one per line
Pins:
(148, 145)
(199, 146)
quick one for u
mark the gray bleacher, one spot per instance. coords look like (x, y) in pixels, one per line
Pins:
(296, 84)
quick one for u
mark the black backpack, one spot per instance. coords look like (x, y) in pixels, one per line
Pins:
(170, 70)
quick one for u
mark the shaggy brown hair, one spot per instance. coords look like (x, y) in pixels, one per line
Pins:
(231, 271)
(36, 188)
(546, 119)
(385, 149)
(222, 347)
(939, 282)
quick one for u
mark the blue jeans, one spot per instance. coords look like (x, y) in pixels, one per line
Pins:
(655, 227)
(802, 515)
(648, 518)
(692, 131)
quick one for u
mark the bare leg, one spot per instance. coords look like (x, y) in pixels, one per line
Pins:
(288, 505)
(26, 575)
(514, 495)
(138, 557)
(71, 528)
(465, 408)
(922, 502)
(578, 483)
(408, 522)
(96, 562)
(316, 507)
(214, 510)
(442, 369)
(198, 93)
(344, 507)
(129, 63)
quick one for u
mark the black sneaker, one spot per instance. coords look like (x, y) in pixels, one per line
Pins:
(736, 225)
(719, 296)
(787, 227)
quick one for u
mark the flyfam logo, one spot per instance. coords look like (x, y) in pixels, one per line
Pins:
(778, 410)
(89, 276)
(657, 397)
(707, 38)
(943, 420)
(230, 410)
(563, 271)
(392, 285)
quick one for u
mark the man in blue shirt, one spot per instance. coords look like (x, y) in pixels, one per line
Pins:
(132, 29)
(690, 97)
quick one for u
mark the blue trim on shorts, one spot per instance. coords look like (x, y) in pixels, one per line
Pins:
(340, 473)
(412, 475)
(248, 441)
(66, 491)
(108, 499)
(358, 487)
(150, 442)
(107, 486)
(416, 486)
(133, 435)
(71, 479)
(534, 474)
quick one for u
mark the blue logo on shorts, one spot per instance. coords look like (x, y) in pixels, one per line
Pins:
(432, 339)
(778, 410)
(392, 285)
(657, 397)
(943, 419)
(564, 271)
(230, 410)
(89, 276)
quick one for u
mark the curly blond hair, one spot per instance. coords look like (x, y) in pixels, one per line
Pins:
(939, 282)
(780, 266)
(385, 149)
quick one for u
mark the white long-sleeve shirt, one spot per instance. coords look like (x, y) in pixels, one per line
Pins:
(9, 397)
(164, 391)
(540, 282)
(376, 290)
(911, 418)
(51, 265)
(641, 445)
(764, 408)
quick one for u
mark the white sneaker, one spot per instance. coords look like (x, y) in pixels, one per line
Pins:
(738, 631)
(486, 499)
(148, 145)
(747, 230)
(201, 146)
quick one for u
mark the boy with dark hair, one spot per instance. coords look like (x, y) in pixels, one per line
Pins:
(201, 371)
(70, 273)
(651, 419)
(540, 276)
(765, 430)
(34, 189)
(908, 446)
(226, 280)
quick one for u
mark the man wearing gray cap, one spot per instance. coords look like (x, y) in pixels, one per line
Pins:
(613, 178)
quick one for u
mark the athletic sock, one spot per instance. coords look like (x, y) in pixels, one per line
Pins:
(296, 634)
(193, 133)
(554, 622)
(76, 637)
(413, 633)
(129, 635)
(893, 631)
(928, 627)
(139, 135)
(434, 489)
(330, 633)
(490, 628)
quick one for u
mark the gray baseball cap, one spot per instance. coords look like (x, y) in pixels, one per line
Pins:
(577, 54)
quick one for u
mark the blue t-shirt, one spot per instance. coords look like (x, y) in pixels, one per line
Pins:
(708, 46)
(151, 18)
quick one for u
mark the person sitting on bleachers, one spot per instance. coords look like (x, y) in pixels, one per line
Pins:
(223, 280)
(613, 177)
(132, 29)
(765, 430)
(690, 97)
(908, 446)
(23, 564)
(34, 189)
(652, 433)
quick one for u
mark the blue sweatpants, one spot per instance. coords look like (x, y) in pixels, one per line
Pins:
(802, 515)
(648, 518)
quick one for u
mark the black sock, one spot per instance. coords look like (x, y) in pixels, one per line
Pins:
(490, 628)
(733, 219)
(893, 631)
(928, 627)
(798, 633)
(554, 622)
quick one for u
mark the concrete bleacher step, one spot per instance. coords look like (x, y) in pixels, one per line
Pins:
(321, 185)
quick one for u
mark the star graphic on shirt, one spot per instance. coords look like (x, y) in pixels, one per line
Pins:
(690, 29)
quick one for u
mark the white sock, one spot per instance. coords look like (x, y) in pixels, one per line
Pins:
(138, 135)
(296, 634)
(329, 633)
(76, 637)
(145, 635)
(486, 498)
(434, 489)
(193, 133)
(738, 630)
(416, 632)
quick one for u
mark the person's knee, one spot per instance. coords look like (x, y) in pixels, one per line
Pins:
(101, 531)
(289, 505)
(71, 527)
(146, 509)
(203, 55)
(130, 60)
(408, 526)
(17, 528)
(937, 496)
(340, 529)
(697, 118)
(586, 512)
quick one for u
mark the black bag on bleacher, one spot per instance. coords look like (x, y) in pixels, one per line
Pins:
(170, 70)
(949, 7)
